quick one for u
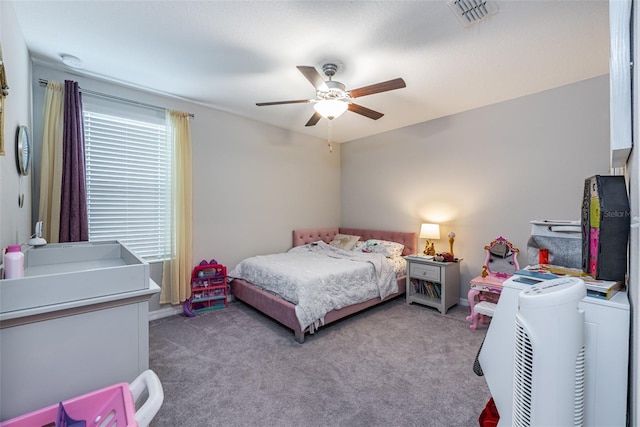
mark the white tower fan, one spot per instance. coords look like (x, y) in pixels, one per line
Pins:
(549, 365)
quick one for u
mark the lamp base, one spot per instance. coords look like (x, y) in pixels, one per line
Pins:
(429, 249)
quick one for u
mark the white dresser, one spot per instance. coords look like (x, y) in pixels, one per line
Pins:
(78, 321)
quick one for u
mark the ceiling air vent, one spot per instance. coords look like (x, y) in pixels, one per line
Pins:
(469, 12)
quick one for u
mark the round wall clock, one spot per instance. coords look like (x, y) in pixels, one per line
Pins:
(23, 150)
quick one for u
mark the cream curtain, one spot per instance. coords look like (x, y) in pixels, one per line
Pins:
(176, 272)
(51, 162)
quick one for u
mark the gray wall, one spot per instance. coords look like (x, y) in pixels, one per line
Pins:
(482, 173)
(633, 174)
(15, 223)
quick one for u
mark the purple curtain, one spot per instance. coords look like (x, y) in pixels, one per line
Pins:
(74, 223)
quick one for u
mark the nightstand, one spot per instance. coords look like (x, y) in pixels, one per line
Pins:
(431, 283)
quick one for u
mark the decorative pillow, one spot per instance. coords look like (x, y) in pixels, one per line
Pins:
(344, 241)
(383, 247)
(358, 247)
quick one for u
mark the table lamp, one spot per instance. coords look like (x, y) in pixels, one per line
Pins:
(430, 232)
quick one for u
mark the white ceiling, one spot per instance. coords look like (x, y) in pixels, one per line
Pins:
(231, 54)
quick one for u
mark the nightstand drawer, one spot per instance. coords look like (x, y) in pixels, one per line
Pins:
(426, 272)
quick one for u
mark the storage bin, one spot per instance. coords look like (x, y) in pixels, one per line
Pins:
(110, 406)
(563, 239)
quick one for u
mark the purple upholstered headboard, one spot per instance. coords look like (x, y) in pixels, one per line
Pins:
(308, 235)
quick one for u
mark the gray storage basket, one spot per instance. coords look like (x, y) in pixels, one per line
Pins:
(563, 239)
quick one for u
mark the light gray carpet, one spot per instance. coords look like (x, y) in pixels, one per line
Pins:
(392, 365)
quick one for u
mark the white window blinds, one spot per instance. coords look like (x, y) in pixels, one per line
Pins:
(128, 167)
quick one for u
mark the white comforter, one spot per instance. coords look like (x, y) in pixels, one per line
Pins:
(318, 278)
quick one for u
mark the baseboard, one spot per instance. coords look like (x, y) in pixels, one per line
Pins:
(173, 310)
(464, 301)
(165, 312)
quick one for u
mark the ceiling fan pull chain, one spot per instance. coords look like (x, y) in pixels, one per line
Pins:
(329, 134)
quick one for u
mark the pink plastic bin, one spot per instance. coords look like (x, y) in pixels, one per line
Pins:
(110, 406)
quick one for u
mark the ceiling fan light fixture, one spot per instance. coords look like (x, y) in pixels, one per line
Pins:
(332, 98)
(331, 108)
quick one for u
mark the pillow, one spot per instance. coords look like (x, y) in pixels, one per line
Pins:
(358, 247)
(383, 247)
(344, 241)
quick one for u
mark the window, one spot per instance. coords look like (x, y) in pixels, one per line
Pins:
(128, 170)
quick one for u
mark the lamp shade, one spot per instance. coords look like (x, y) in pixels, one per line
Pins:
(430, 231)
(331, 108)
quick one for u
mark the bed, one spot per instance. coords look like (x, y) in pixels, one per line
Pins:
(284, 311)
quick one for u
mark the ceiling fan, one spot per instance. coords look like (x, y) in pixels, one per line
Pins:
(332, 98)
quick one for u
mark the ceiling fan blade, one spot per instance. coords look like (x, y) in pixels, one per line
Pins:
(378, 87)
(365, 111)
(297, 101)
(314, 119)
(313, 76)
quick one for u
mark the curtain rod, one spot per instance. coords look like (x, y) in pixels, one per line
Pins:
(44, 82)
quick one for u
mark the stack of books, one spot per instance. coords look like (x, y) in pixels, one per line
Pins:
(420, 256)
(602, 289)
(424, 287)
